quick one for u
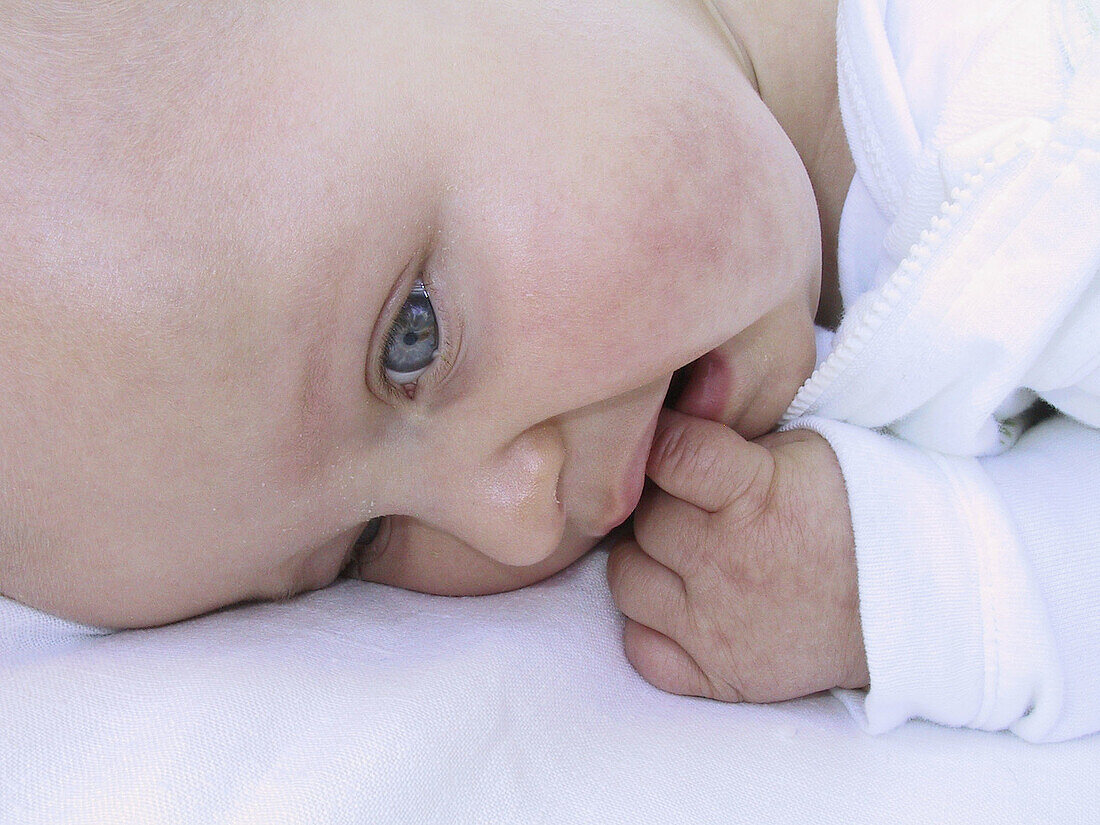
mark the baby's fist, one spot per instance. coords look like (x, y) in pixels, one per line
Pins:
(740, 580)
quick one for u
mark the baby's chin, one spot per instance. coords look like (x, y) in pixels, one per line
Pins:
(505, 577)
(514, 578)
(474, 574)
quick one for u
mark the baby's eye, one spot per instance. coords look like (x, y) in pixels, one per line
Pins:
(413, 340)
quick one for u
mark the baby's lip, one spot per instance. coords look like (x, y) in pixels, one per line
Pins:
(677, 384)
(707, 387)
(632, 481)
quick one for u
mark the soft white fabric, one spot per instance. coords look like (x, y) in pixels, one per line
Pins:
(970, 272)
(361, 703)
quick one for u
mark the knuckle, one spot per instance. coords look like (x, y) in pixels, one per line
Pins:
(750, 492)
(696, 462)
(716, 474)
(652, 518)
(684, 454)
(726, 689)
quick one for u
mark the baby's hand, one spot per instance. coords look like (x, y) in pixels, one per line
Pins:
(740, 581)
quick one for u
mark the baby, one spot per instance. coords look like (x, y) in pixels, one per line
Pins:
(398, 289)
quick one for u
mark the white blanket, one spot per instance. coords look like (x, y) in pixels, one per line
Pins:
(362, 703)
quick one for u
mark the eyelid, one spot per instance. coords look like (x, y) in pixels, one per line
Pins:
(398, 379)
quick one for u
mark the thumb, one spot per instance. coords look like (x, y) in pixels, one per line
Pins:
(707, 464)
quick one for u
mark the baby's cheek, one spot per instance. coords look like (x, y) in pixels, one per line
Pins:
(417, 557)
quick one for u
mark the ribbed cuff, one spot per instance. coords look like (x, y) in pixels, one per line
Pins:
(936, 590)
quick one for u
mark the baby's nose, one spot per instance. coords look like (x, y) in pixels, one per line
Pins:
(507, 506)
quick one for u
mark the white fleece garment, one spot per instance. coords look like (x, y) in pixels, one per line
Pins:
(969, 261)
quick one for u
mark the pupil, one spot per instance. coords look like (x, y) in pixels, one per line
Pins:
(410, 338)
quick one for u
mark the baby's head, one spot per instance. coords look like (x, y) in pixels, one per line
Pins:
(272, 276)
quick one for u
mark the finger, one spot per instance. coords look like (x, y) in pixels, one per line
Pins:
(669, 530)
(706, 463)
(663, 663)
(645, 590)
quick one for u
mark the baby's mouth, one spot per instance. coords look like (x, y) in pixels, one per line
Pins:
(702, 387)
(676, 386)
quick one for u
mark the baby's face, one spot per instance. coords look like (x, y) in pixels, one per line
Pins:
(411, 263)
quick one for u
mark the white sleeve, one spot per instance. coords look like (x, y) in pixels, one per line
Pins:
(979, 579)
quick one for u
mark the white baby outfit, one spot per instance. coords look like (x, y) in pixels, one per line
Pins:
(969, 259)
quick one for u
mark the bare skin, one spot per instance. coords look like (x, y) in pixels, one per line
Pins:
(739, 582)
(208, 231)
